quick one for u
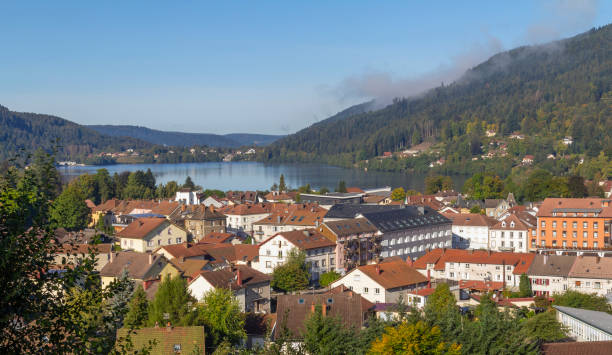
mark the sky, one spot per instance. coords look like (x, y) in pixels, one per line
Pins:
(252, 66)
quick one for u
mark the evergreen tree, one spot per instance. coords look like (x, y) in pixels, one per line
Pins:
(170, 303)
(189, 183)
(69, 210)
(281, 184)
(46, 175)
(328, 335)
(106, 188)
(341, 186)
(137, 315)
(525, 286)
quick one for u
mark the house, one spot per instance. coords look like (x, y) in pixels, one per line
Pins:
(218, 255)
(212, 201)
(357, 242)
(320, 251)
(494, 208)
(250, 287)
(591, 274)
(240, 218)
(408, 231)
(509, 234)
(478, 265)
(144, 268)
(548, 274)
(186, 268)
(333, 198)
(528, 159)
(418, 298)
(280, 196)
(288, 218)
(470, 230)
(166, 339)
(573, 223)
(243, 197)
(293, 310)
(517, 135)
(72, 253)
(567, 140)
(220, 238)
(377, 199)
(148, 234)
(383, 282)
(186, 250)
(199, 220)
(585, 325)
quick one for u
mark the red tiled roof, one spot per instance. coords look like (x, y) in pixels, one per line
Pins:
(589, 203)
(141, 227)
(470, 219)
(354, 190)
(231, 253)
(481, 285)
(393, 274)
(295, 215)
(221, 278)
(506, 224)
(248, 209)
(578, 348)
(216, 237)
(305, 239)
(520, 261)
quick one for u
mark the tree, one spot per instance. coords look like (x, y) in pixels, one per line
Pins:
(544, 327)
(413, 339)
(437, 183)
(293, 275)
(222, 318)
(476, 209)
(525, 286)
(106, 188)
(137, 314)
(281, 184)
(189, 183)
(46, 175)
(69, 210)
(482, 186)
(274, 187)
(323, 190)
(398, 194)
(171, 302)
(582, 300)
(341, 186)
(438, 303)
(327, 278)
(576, 186)
(328, 335)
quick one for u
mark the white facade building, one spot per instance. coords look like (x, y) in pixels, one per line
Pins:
(585, 325)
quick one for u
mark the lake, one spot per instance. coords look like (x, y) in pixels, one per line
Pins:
(259, 176)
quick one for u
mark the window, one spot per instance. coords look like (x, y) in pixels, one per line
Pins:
(177, 348)
(564, 234)
(451, 265)
(597, 285)
(564, 243)
(377, 290)
(585, 234)
(574, 224)
(575, 244)
(585, 225)
(467, 266)
(497, 267)
(268, 252)
(149, 243)
(595, 225)
(169, 231)
(554, 224)
(452, 274)
(159, 242)
(595, 245)
(178, 240)
(280, 254)
(595, 234)
(323, 263)
(365, 290)
(564, 224)
(331, 261)
(574, 234)
(508, 268)
(554, 234)
(584, 244)
(543, 224)
(268, 264)
(543, 243)
(543, 234)
(316, 264)
(301, 301)
(169, 241)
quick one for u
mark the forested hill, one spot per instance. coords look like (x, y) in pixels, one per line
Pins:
(545, 92)
(21, 131)
(180, 139)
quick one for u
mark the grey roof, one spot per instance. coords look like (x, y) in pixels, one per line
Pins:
(492, 202)
(556, 265)
(407, 217)
(350, 211)
(599, 320)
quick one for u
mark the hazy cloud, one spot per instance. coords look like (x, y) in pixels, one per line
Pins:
(561, 17)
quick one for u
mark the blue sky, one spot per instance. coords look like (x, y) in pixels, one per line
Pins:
(255, 67)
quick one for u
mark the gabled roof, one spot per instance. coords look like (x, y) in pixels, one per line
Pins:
(217, 237)
(599, 320)
(68, 248)
(304, 239)
(165, 208)
(551, 265)
(137, 264)
(190, 339)
(185, 250)
(470, 219)
(228, 276)
(575, 205)
(346, 227)
(142, 227)
(439, 257)
(407, 217)
(511, 223)
(492, 202)
(248, 209)
(222, 253)
(592, 267)
(392, 274)
(295, 215)
(189, 267)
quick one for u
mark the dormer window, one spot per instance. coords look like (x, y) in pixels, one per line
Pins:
(504, 224)
(511, 224)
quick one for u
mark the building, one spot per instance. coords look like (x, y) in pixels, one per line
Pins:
(187, 196)
(591, 274)
(221, 238)
(148, 234)
(573, 223)
(250, 287)
(575, 348)
(287, 218)
(585, 325)
(470, 230)
(477, 265)
(144, 268)
(333, 198)
(357, 242)
(212, 201)
(409, 231)
(72, 254)
(240, 218)
(548, 273)
(346, 211)
(320, 251)
(166, 339)
(384, 282)
(199, 220)
(509, 234)
(293, 310)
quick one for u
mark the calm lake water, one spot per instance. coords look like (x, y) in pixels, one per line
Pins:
(259, 176)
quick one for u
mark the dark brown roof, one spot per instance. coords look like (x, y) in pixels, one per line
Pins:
(189, 267)
(141, 227)
(141, 266)
(348, 227)
(293, 310)
(305, 239)
(248, 209)
(190, 339)
(295, 215)
(551, 265)
(228, 252)
(185, 250)
(470, 219)
(84, 248)
(578, 348)
(393, 274)
(221, 278)
(216, 237)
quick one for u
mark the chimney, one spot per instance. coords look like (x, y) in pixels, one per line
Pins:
(150, 258)
(324, 309)
(112, 256)
(168, 326)
(156, 324)
(183, 208)
(312, 307)
(504, 272)
(238, 278)
(545, 259)
(421, 210)
(377, 269)
(428, 278)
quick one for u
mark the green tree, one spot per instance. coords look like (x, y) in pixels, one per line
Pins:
(544, 327)
(525, 286)
(292, 275)
(323, 190)
(476, 209)
(582, 300)
(437, 183)
(137, 315)
(46, 175)
(170, 303)
(189, 183)
(576, 187)
(483, 186)
(106, 188)
(222, 318)
(69, 210)
(136, 188)
(328, 335)
(327, 278)
(398, 194)
(413, 339)
(281, 184)
(341, 186)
